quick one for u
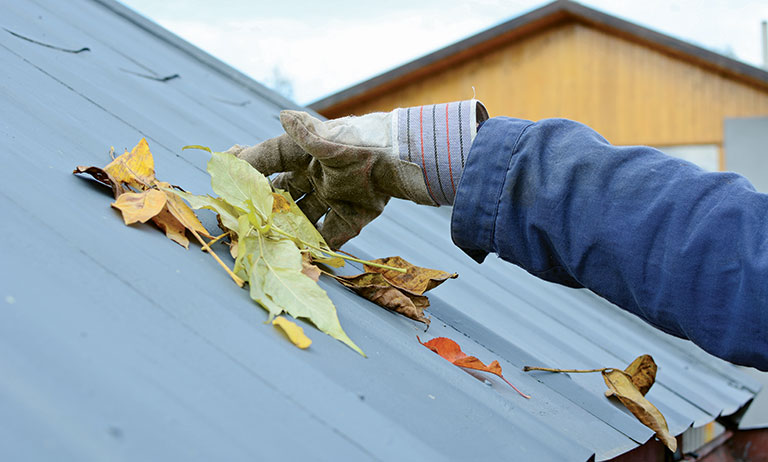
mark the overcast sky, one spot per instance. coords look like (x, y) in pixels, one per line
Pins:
(322, 47)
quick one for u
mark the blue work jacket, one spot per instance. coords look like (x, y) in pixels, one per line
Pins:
(684, 249)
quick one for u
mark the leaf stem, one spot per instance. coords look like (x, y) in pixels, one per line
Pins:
(570, 371)
(234, 277)
(216, 239)
(515, 388)
(335, 254)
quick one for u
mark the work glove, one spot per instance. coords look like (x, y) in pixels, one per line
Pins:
(347, 169)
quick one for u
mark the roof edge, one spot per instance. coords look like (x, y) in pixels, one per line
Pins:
(546, 16)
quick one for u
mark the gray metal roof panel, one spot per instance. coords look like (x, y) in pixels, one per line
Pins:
(116, 344)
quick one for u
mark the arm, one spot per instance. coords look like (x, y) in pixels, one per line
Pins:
(684, 249)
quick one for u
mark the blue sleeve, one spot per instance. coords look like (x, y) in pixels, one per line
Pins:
(684, 249)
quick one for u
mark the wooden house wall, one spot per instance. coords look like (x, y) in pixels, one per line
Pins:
(629, 92)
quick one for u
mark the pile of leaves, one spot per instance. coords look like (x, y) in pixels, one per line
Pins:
(630, 387)
(142, 197)
(275, 247)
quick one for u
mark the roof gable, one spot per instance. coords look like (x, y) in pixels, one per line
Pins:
(553, 14)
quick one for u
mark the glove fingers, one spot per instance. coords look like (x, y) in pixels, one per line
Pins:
(296, 183)
(274, 155)
(344, 221)
(307, 132)
(313, 207)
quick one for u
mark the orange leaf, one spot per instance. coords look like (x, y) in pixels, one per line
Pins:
(451, 351)
(444, 347)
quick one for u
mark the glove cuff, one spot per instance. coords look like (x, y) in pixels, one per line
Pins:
(437, 138)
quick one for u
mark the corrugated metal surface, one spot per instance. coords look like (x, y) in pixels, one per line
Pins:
(116, 344)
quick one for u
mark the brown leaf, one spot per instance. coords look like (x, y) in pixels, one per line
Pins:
(451, 351)
(622, 386)
(174, 230)
(416, 280)
(312, 271)
(643, 373)
(377, 289)
(140, 206)
(135, 168)
(102, 177)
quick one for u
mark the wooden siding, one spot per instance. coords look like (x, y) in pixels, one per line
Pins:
(629, 92)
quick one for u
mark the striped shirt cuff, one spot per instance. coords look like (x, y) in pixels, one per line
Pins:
(437, 138)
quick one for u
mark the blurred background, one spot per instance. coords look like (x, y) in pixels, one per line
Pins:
(308, 50)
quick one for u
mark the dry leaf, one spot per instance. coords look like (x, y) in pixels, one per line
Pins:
(102, 177)
(181, 211)
(416, 280)
(374, 287)
(140, 206)
(450, 350)
(310, 270)
(630, 387)
(174, 230)
(294, 332)
(280, 203)
(233, 246)
(135, 168)
(643, 373)
(621, 384)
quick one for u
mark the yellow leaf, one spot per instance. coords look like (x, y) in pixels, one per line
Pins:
(294, 332)
(280, 203)
(181, 211)
(621, 384)
(140, 206)
(135, 168)
(643, 373)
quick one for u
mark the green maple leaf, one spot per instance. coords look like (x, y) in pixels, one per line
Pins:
(227, 213)
(277, 268)
(237, 182)
(296, 223)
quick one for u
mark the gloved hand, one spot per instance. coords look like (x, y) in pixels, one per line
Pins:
(348, 168)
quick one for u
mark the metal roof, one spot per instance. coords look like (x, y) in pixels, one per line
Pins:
(554, 13)
(116, 344)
